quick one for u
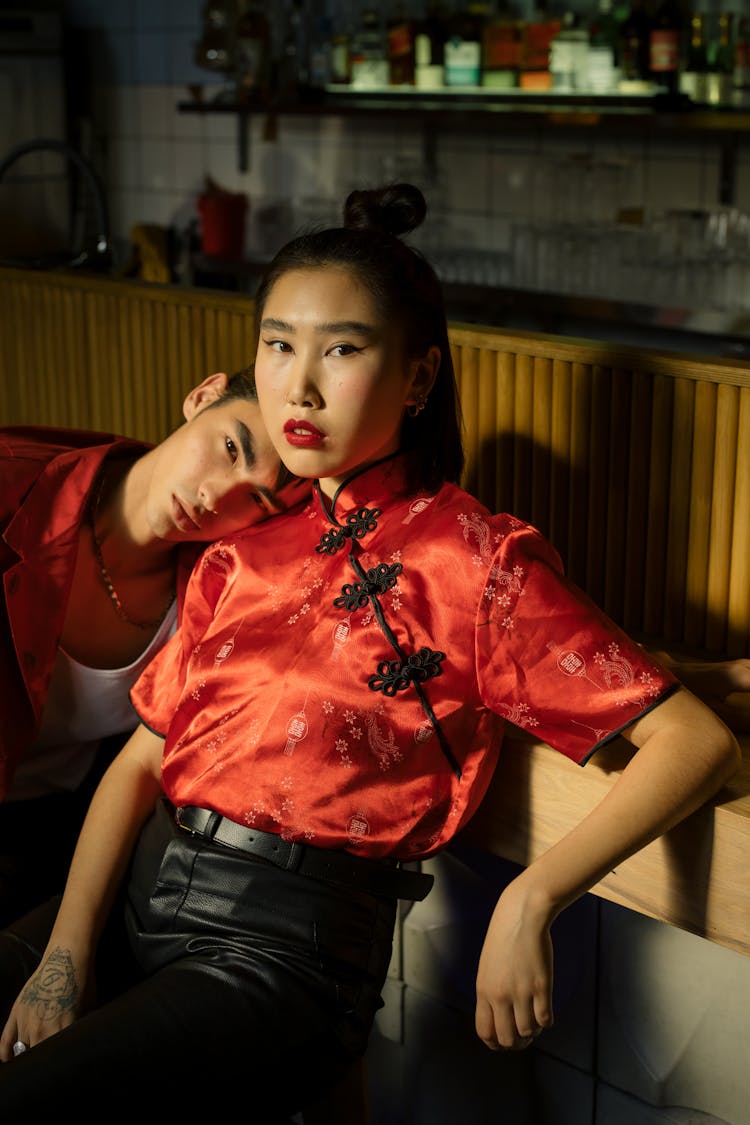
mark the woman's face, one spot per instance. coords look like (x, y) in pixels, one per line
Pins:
(332, 377)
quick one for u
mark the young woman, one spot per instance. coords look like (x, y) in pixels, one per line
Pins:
(332, 707)
(98, 537)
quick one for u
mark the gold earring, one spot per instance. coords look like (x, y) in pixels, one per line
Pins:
(417, 407)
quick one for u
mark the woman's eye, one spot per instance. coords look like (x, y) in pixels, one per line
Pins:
(231, 449)
(278, 345)
(258, 499)
(344, 349)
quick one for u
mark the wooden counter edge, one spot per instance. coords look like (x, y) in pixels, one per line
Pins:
(696, 877)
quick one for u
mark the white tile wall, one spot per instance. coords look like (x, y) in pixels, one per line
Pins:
(613, 1107)
(674, 183)
(117, 111)
(462, 172)
(190, 158)
(156, 112)
(511, 179)
(157, 165)
(674, 1021)
(124, 168)
(158, 159)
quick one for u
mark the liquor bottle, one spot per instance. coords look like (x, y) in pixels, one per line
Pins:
(664, 46)
(369, 53)
(604, 53)
(400, 37)
(252, 51)
(538, 34)
(721, 67)
(634, 49)
(604, 28)
(319, 58)
(292, 78)
(463, 46)
(429, 48)
(569, 56)
(694, 75)
(501, 51)
(341, 57)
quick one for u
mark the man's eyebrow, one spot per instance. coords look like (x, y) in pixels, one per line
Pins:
(247, 445)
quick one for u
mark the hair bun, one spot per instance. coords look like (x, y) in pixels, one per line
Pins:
(396, 209)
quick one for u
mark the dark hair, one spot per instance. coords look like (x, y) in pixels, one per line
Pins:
(240, 385)
(405, 289)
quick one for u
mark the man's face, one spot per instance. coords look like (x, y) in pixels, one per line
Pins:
(216, 474)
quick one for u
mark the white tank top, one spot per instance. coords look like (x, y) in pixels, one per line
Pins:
(83, 705)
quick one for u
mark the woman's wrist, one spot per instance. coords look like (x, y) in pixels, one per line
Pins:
(78, 941)
(533, 898)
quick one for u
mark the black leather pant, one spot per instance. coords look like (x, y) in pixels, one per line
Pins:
(253, 987)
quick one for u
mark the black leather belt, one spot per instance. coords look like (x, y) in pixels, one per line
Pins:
(374, 876)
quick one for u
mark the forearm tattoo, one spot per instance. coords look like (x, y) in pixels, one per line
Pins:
(53, 987)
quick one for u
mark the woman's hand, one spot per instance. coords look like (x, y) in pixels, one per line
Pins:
(514, 980)
(51, 999)
(684, 756)
(63, 985)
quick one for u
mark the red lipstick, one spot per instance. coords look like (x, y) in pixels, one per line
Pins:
(302, 434)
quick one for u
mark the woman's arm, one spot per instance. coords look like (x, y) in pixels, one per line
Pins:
(56, 993)
(685, 755)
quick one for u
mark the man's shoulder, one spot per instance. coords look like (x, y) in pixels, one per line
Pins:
(30, 448)
(30, 453)
(43, 443)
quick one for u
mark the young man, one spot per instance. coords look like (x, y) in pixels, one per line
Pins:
(98, 536)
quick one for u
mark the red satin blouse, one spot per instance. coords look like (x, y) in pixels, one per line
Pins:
(344, 672)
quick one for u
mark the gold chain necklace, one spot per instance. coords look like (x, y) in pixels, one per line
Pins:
(108, 583)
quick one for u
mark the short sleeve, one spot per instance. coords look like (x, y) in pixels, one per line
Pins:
(549, 660)
(157, 692)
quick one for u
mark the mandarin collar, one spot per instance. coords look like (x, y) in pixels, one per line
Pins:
(372, 487)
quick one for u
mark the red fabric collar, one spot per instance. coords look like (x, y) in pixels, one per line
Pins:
(372, 487)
